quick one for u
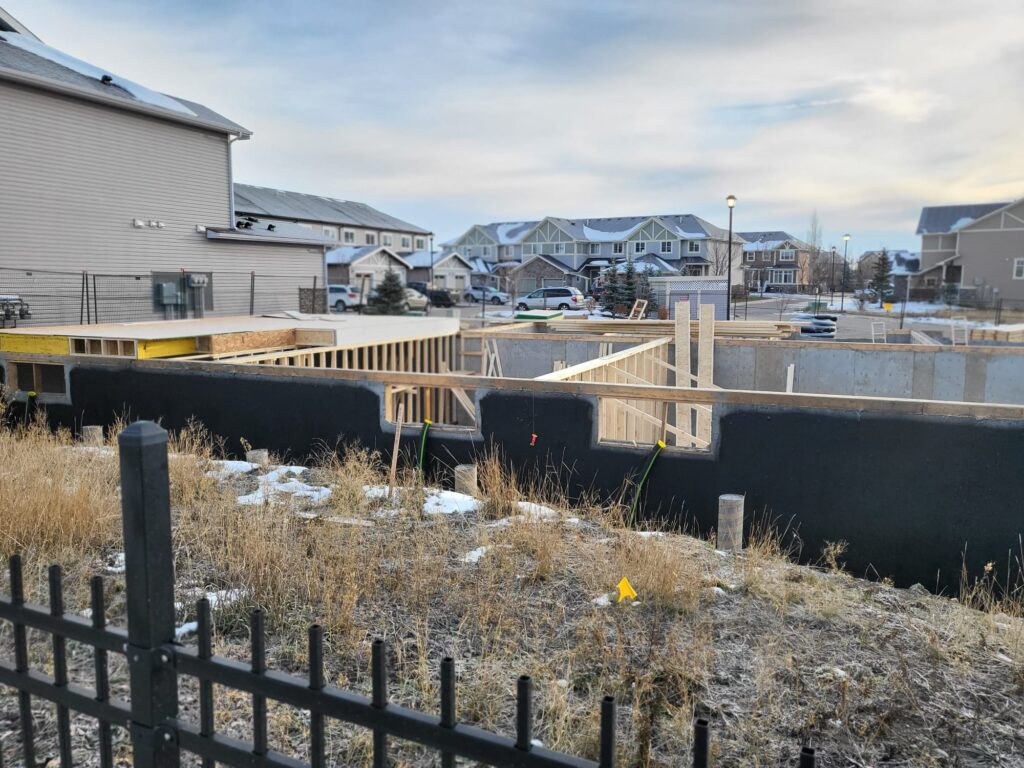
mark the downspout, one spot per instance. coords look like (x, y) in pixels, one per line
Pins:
(231, 183)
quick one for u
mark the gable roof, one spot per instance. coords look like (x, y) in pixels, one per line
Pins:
(299, 206)
(421, 259)
(507, 232)
(547, 259)
(350, 254)
(941, 219)
(25, 60)
(770, 240)
(685, 226)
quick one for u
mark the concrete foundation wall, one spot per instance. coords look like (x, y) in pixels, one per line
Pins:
(985, 375)
(909, 494)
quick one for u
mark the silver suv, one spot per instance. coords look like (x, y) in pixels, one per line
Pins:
(562, 297)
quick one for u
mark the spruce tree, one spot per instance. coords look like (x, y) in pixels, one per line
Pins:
(389, 297)
(610, 292)
(881, 276)
(646, 291)
(628, 285)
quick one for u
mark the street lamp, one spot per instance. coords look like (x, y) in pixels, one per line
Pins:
(832, 277)
(731, 202)
(842, 296)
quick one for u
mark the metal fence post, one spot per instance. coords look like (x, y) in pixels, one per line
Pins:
(149, 579)
(252, 293)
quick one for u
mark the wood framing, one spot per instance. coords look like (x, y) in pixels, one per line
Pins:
(705, 365)
(683, 414)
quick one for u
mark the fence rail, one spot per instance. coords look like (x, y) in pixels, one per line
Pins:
(156, 663)
(84, 298)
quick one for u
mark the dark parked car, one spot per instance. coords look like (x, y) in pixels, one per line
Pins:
(439, 298)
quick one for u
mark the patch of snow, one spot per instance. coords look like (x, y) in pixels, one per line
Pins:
(961, 223)
(650, 534)
(271, 484)
(603, 601)
(186, 629)
(603, 236)
(571, 521)
(140, 92)
(718, 592)
(103, 450)
(226, 469)
(475, 555)
(219, 597)
(118, 565)
(449, 503)
(350, 521)
(536, 511)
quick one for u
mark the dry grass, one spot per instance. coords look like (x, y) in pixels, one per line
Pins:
(771, 652)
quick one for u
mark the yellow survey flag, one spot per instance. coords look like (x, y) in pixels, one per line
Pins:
(626, 590)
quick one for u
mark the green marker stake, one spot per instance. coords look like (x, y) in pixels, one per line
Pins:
(423, 446)
(643, 478)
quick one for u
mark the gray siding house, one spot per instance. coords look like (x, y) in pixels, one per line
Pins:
(576, 251)
(102, 175)
(974, 251)
(775, 260)
(343, 222)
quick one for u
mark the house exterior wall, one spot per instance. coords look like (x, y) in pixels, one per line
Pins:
(936, 248)
(539, 274)
(450, 275)
(358, 234)
(988, 259)
(76, 174)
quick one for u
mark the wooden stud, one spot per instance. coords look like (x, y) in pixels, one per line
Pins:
(705, 364)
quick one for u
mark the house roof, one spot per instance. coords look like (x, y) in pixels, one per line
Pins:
(607, 230)
(421, 259)
(507, 232)
(549, 260)
(480, 266)
(303, 207)
(940, 219)
(648, 263)
(350, 254)
(269, 231)
(771, 240)
(26, 60)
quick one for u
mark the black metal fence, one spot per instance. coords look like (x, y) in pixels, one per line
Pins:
(57, 298)
(155, 663)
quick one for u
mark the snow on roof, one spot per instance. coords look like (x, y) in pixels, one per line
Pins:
(349, 254)
(939, 219)
(607, 230)
(139, 92)
(649, 264)
(422, 259)
(771, 240)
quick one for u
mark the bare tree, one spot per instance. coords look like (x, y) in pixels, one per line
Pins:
(817, 262)
(718, 255)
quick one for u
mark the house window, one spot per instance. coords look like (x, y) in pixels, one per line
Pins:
(386, 239)
(639, 246)
(487, 250)
(406, 242)
(595, 248)
(349, 237)
(420, 243)
(371, 239)
(666, 246)
(789, 255)
(559, 248)
(331, 232)
(1018, 269)
(617, 248)
(750, 256)
(693, 246)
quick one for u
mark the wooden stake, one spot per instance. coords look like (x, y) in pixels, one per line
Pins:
(394, 451)
(790, 375)
(730, 522)
(705, 364)
(684, 414)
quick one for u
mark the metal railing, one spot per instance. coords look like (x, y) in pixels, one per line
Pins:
(156, 662)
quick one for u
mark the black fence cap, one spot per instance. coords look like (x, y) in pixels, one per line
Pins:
(142, 433)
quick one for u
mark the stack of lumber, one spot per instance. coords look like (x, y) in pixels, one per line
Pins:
(1009, 334)
(740, 329)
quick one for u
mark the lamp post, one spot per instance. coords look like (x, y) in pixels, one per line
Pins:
(832, 277)
(731, 202)
(430, 243)
(842, 296)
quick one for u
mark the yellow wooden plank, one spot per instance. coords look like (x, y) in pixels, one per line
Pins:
(157, 348)
(34, 344)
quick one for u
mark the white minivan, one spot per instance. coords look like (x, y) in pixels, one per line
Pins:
(562, 297)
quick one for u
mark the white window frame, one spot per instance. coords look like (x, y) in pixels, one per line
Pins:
(386, 240)
(595, 249)
(406, 241)
(530, 249)
(787, 255)
(618, 248)
(1018, 269)
(665, 249)
(371, 239)
(331, 232)
(348, 236)
(420, 243)
(639, 246)
(693, 247)
(751, 256)
(558, 248)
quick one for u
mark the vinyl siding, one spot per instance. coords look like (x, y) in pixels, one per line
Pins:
(76, 174)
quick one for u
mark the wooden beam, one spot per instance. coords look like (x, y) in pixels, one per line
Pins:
(681, 369)
(600, 362)
(705, 364)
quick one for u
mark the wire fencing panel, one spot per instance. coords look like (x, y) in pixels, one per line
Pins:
(121, 298)
(278, 293)
(53, 298)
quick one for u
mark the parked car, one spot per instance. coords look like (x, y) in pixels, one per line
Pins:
(342, 297)
(416, 301)
(418, 286)
(486, 293)
(440, 298)
(562, 298)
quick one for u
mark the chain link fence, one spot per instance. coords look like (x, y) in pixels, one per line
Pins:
(45, 297)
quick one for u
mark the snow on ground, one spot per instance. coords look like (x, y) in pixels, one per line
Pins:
(274, 483)
(475, 555)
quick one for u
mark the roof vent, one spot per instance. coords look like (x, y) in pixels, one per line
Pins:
(106, 79)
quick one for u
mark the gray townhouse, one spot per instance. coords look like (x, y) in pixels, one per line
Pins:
(104, 176)
(556, 251)
(775, 260)
(343, 222)
(973, 252)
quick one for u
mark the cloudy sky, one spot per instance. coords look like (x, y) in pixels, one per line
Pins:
(451, 112)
